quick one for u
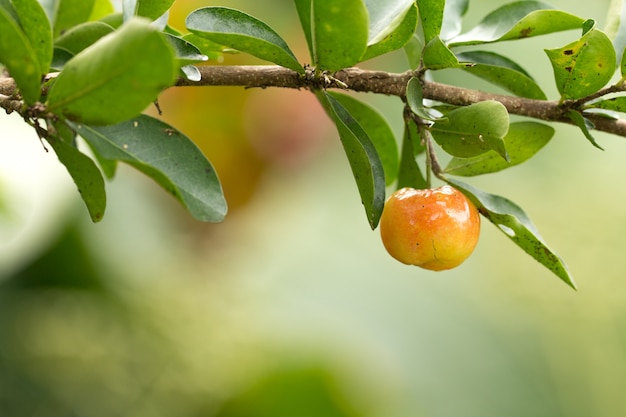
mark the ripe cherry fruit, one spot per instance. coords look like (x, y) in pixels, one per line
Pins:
(435, 229)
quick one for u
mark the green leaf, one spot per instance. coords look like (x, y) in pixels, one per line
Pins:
(615, 28)
(623, 64)
(340, 33)
(523, 140)
(519, 20)
(9, 8)
(116, 78)
(115, 20)
(438, 56)
(502, 72)
(242, 32)
(453, 13)
(68, 135)
(431, 15)
(385, 16)
(60, 58)
(337, 31)
(86, 176)
(151, 9)
(366, 165)
(211, 49)
(37, 28)
(20, 59)
(378, 131)
(517, 226)
(614, 104)
(415, 101)
(583, 66)
(101, 9)
(82, 36)
(585, 126)
(186, 53)
(396, 39)
(473, 130)
(165, 155)
(303, 7)
(66, 14)
(413, 50)
(588, 25)
(409, 173)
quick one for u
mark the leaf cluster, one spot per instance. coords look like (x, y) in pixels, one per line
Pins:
(84, 69)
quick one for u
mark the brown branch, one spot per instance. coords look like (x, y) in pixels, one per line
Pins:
(246, 76)
(378, 82)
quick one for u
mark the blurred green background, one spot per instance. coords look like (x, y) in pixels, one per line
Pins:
(292, 307)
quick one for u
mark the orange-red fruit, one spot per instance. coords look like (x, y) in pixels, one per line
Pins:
(435, 229)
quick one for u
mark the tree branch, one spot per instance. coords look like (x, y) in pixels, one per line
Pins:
(378, 82)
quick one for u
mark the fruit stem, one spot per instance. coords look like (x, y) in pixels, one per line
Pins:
(432, 161)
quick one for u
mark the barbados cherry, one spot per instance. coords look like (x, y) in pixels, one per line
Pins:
(435, 229)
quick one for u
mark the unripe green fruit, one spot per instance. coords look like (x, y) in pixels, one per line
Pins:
(435, 229)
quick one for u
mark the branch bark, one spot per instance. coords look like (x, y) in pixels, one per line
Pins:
(378, 82)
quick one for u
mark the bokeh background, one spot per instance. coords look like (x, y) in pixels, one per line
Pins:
(291, 307)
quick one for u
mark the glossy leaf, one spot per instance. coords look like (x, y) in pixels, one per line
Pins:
(242, 32)
(519, 20)
(206, 47)
(409, 173)
(473, 130)
(453, 13)
(523, 140)
(588, 25)
(438, 56)
(385, 16)
(337, 31)
(191, 72)
(37, 28)
(151, 9)
(415, 101)
(502, 72)
(364, 161)
(18, 56)
(614, 104)
(583, 66)
(378, 131)
(585, 125)
(517, 226)
(396, 39)
(186, 53)
(82, 36)
(167, 156)
(431, 15)
(86, 176)
(131, 66)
